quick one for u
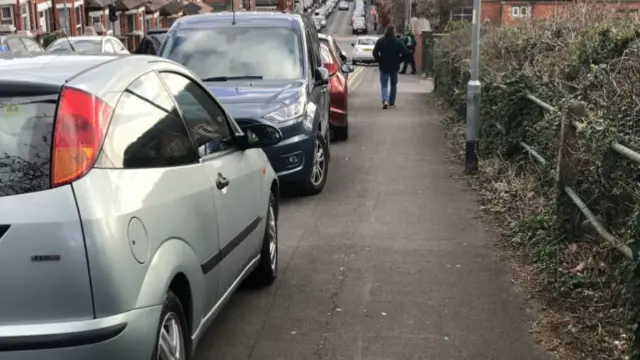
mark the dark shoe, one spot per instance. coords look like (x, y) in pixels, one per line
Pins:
(385, 105)
(392, 106)
(413, 73)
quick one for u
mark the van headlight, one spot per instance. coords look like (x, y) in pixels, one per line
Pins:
(293, 110)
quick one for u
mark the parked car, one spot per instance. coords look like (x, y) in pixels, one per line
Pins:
(92, 44)
(363, 49)
(343, 5)
(150, 43)
(265, 69)
(132, 200)
(339, 93)
(340, 55)
(18, 44)
(319, 17)
(359, 26)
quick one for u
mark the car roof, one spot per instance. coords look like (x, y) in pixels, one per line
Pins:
(256, 18)
(48, 67)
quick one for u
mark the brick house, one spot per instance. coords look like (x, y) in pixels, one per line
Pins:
(510, 11)
(42, 16)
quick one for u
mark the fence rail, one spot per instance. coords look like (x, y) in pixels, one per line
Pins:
(565, 180)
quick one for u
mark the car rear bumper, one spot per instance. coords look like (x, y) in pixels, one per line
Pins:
(292, 158)
(337, 117)
(362, 56)
(130, 335)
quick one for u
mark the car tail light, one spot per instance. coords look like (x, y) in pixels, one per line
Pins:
(331, 67)
(80, 126)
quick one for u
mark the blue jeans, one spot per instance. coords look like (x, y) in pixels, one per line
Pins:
(389, 95)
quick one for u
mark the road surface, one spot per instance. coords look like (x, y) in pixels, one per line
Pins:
(390, 262)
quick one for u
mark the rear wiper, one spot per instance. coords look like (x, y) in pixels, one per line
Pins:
(227, 78)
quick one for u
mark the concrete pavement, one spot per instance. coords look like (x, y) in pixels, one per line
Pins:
(389, 262)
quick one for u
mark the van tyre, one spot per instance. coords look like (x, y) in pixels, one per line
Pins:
(317, 178)
(172, 337)
(267, 270)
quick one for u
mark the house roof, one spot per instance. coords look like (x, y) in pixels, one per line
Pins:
(193, 8)
(173, 7)
(129, 4)
(101, 4)
(155, 5)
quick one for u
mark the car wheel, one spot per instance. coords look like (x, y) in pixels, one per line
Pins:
(319, 169)
(342, 133)
(172, 341)
(267, 270)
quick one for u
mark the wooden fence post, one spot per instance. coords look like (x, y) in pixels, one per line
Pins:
(566, 211)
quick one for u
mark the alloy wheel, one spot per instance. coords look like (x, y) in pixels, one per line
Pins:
(317, 173)
(273, 239)
(171, 340)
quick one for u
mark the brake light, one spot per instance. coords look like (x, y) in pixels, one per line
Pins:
(332, 67)
(80, 126)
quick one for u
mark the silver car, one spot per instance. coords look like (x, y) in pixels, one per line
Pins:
(132, 207)
(88, 44)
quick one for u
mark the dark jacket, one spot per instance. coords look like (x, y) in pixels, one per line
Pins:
(390, 52)
(410, 42)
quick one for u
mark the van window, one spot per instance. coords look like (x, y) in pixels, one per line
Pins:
(273, 53)
(26, 129)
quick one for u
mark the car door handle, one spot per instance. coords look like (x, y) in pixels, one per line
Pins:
(221, 182)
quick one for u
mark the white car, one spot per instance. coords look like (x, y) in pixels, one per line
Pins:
(88, 44)
(320, 19)
(363, 49)
(343, 5)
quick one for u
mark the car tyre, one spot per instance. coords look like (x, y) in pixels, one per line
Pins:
(342, 133)
(266, 272)
(314, 184)
(172, 328)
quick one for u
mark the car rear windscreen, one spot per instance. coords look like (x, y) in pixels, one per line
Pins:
(26, 129)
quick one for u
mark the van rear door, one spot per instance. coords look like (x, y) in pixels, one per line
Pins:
(43, 265)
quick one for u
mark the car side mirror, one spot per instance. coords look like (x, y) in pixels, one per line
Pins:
(321, 76)
(353, 44)
(346, 68)
(259, 136)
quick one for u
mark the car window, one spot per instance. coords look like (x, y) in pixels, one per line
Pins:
(83, 45)
(117, 45)
(326, 54)
(204, 118)
(337, 50)
(31, 45)
(108, 46)
(26, 129)
(146, 130)
(366, 42)
(237, 51)
(15, 45)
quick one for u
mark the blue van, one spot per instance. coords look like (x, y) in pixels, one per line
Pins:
(264, 68)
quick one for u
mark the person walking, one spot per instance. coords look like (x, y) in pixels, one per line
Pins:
(389, 52)
(410, 43)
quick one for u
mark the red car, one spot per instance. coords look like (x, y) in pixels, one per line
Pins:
(338, 92)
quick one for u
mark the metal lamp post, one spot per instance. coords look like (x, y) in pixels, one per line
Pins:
(473, 96)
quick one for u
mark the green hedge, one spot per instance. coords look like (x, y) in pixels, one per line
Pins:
(590, 56)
